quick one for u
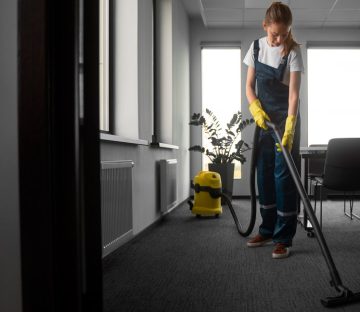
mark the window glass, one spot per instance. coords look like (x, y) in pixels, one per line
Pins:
(163, 106)
(103, 64)
(333, 102)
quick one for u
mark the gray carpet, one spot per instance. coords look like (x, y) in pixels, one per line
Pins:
(190, 265)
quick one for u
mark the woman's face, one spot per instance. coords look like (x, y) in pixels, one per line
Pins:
(276, 33)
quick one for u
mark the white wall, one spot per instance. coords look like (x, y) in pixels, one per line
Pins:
(10, 278)
(200, 34)
(146, 203)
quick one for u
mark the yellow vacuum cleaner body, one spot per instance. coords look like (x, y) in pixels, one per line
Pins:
(207, 197)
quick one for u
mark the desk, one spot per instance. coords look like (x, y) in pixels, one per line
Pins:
(306, 153)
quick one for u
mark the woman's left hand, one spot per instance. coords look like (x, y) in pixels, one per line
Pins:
(288, 137)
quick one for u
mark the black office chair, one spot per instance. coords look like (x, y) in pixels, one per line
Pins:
(341, 171)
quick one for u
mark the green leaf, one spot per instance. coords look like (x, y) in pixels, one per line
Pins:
(195, 116)
(197, 148)
(233, 120)
(239, 144)
(240, 158)
(230, 132)
(208, 153)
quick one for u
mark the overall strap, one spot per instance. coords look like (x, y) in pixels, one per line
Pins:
(256, 49)
(283, 65)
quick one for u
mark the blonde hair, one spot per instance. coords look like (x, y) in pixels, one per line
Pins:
(280, 13)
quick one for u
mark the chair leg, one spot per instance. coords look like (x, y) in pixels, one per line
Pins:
(349, 215)
(351, 207)
(321, 207)
(315, 195)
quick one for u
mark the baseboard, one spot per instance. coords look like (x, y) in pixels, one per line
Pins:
(146, 230)
(116, 244)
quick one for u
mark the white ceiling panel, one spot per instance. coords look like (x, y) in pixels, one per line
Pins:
(344, 15)
(252, 24)
(254, 15)
(260, 4)
(229, 4)
(227, 24)
(342, 24)
(312, 4)
(308, 24)
(347, 4)
(224, 15)
(309, 15)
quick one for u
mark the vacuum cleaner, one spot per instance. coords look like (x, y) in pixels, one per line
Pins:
(207, 186)
(207, 201)
(208, 195)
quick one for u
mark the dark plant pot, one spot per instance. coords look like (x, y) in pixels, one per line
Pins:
(226, 172)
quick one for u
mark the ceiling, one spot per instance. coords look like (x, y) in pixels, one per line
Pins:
(250, 13)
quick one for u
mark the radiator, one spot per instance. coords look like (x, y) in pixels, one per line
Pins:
(116, 204)
(168, 185)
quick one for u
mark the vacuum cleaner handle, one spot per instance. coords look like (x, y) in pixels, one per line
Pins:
(336, 281)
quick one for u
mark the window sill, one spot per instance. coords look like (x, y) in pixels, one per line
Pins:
(116, 138)
(163, 145)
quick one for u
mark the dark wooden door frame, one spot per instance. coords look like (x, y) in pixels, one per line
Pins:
(59, 156)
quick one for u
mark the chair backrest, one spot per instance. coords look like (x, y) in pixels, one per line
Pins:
(342, 164)
(316, 165)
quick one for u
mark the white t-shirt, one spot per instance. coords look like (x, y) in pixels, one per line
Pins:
(272, 56)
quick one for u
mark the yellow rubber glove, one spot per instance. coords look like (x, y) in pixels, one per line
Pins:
(259, 114)
(288, 137)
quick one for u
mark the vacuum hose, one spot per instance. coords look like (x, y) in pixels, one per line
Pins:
(247, 231)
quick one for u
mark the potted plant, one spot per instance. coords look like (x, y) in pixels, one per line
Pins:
(226, 147)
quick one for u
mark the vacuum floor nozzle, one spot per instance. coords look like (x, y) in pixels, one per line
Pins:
(346, 297)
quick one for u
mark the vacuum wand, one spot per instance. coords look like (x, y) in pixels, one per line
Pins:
(346, 295)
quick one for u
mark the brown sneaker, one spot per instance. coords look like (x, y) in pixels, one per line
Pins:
(258, 241)
(281, 251)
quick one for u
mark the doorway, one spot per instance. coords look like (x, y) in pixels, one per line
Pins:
(59, 156)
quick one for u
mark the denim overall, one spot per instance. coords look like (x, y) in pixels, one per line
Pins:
(277, 192)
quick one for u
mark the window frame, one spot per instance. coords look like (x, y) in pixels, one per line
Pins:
(220, 45)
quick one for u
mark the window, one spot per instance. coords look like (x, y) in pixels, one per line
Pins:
(221, 87)
(333, 102)
(118, 68)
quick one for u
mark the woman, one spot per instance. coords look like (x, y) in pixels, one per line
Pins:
(275, 66)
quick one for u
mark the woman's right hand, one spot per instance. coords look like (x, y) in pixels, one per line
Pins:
(259, 114)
